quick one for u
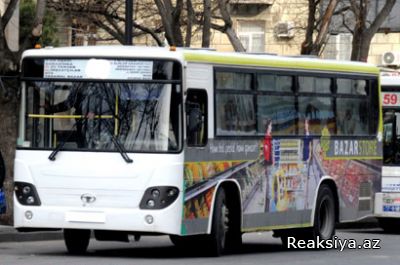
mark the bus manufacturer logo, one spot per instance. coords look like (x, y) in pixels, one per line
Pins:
(88, 198)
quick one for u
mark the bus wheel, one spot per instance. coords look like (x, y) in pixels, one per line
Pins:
(220, 225)
(324, 219)
(76, 240)
(390, 225)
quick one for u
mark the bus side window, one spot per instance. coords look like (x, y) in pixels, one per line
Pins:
(196, 117)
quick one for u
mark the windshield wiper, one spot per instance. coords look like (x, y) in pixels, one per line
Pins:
(116, 142)
(61, 144)
(121, 149)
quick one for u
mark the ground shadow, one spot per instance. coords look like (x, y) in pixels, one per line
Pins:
(172, 252)
(375, 231)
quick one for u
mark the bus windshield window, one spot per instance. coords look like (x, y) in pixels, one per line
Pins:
(86, 115)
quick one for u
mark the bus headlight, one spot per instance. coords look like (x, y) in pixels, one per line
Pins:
(156, 198)
(26, 194)
(155, 193)
(151, 203)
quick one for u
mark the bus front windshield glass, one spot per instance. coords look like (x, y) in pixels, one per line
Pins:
(141, 117)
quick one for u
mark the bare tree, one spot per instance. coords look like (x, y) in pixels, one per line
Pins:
(9, 58)
(9, 62)
(110, 17)
(227, 28)
(189, 23)
(364, 30)
(6, 55)
(206, 24)
(319, 19)
(170, 16)
(176, 21)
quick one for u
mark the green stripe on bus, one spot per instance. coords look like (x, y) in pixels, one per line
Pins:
(270, 62)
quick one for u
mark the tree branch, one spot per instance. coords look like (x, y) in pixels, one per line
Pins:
(382, 15)
(37, 27)
(9, 12)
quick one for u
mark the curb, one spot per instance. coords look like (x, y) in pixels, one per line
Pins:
(9, 234)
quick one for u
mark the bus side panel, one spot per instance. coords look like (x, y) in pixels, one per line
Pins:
(355, 166)
(272, 192)
(280, 193)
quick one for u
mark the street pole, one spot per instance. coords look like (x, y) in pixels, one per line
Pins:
(128, 21)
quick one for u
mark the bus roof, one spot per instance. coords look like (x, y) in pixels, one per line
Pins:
(207, 56)
(273, 61)
(111, 51)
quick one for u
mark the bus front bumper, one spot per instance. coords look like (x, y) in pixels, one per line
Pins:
(387, 204)
(165, 221)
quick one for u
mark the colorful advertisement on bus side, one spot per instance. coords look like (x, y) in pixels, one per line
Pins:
(283, 174)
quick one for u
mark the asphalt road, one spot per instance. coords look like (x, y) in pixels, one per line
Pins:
(258, 248)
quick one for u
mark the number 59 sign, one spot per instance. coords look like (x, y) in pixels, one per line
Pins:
(391, 99)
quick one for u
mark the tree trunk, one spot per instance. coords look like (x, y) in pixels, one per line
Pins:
(363, 34)
(206, 24)
(189, 25)
(228, 28)
(2, 48)
(177, 11)
(37, 27)
(321, 38)
(6, 56)
(306, 46)
(234, 39)
(166, 20)
(9, 106)
(8, 139)
(360, 46)
(311, 46)
(170, 18)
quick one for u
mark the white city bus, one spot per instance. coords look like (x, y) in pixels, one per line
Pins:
(387, 202)
(199, 145)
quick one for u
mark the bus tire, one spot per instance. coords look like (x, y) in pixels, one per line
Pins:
(324, 217)
(234, 234)
(285, 241)
(390, 225)
(76, 240)
(219, 228)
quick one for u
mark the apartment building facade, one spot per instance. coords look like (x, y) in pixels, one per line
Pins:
(263, 26)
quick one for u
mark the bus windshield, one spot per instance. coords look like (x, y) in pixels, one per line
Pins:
(143, 117)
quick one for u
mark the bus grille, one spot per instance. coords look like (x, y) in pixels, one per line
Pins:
(365, 198)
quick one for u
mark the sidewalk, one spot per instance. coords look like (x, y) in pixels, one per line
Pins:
(9, 234)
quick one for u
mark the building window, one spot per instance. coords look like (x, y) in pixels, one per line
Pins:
(338, 47)
(82, 33)
(252, 35)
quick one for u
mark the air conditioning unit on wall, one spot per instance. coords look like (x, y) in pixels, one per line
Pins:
(284, 29)
(391, 58)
